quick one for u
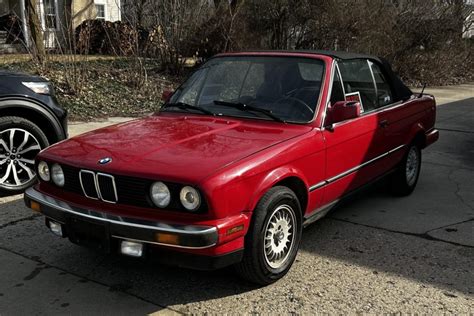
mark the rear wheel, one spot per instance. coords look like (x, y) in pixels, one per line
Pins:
(273, 239)
(20, 142)
(406, 176)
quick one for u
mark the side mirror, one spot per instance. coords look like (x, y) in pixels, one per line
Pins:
(343, 110)
(166, 95)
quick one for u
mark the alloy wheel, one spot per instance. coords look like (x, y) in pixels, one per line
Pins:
(279, 236)
(412, 165)
(18, 149)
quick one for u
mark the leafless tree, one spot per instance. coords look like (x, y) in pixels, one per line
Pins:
(36, 32)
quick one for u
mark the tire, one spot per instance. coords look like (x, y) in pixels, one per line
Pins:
(20, 142)
(260, 264)
(406, 176)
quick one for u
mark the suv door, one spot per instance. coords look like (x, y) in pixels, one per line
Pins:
(353, 147)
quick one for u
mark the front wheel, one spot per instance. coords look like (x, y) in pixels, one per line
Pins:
(273, 239)
(20, 142)
(406, 176)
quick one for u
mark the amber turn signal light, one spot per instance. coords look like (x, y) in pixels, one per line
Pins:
(35, 206)
(165, 238)
(234, 230)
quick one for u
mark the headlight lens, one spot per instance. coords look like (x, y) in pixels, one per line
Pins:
(43, 171)
(58, 175)
(160, 194)
(190, 198)
(41, 87)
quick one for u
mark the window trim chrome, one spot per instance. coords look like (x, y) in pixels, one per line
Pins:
(378, 109)
(370, 63)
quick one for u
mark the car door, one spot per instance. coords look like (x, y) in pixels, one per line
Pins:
(353, 146)
(395, 117)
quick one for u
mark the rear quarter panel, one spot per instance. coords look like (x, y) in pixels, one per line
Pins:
(407, 120)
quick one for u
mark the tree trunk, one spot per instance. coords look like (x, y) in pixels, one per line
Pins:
(36, 32)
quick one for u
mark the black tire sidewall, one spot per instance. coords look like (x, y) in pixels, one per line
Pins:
(264, 210)
(24, 124)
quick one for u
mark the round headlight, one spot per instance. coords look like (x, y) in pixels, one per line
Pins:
(160, 194)
(190, 198)
(57, 175)
(43, 171)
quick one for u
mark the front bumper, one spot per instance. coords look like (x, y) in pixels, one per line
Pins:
(105, 231)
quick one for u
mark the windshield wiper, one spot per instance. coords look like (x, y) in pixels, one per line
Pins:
(186, 106)
(246, 107)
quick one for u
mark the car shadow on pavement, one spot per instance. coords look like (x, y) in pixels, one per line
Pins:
(342, 236)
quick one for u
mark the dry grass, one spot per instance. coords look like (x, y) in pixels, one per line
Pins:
(22, 58)
(92, 87)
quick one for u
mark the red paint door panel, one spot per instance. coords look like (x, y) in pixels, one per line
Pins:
(348, 146)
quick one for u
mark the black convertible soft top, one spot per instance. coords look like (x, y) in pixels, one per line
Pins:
(401, 91)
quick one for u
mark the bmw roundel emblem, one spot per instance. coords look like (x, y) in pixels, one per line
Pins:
(105, 161)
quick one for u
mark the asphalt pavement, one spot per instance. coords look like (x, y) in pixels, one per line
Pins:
(375, 253)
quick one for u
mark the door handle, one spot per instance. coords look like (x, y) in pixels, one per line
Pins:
(383, 123)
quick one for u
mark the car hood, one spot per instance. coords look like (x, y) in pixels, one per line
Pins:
(172, 146)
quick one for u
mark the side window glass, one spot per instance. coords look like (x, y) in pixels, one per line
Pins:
(384, 92)
(358, 83)
(337, 93)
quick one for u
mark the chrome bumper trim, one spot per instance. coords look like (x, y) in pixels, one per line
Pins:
(204, 232)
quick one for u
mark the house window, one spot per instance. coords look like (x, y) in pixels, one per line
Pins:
(100, 8)
(50, 14)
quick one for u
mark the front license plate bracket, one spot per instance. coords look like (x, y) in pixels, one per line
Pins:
(89, 234)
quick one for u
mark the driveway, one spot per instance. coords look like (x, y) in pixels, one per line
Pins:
(373, 254)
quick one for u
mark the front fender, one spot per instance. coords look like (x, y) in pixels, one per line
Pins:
(271, 179)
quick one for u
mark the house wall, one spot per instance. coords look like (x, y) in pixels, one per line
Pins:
(85, 9)
(82, 10)
(61, 35)
(112, 9)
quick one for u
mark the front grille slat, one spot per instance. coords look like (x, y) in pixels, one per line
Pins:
(87, 180)
(106, 185)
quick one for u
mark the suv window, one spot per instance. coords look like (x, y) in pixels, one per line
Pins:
(384, 93)
(357, 78)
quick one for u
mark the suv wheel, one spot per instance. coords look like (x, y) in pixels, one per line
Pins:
(273, 239)
(20, 142)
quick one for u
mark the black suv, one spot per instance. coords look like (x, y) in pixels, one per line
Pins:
(30, 119)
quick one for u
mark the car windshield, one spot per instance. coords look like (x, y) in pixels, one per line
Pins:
(279, 88)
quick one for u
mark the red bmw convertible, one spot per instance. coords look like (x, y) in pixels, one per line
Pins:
(252, 147)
